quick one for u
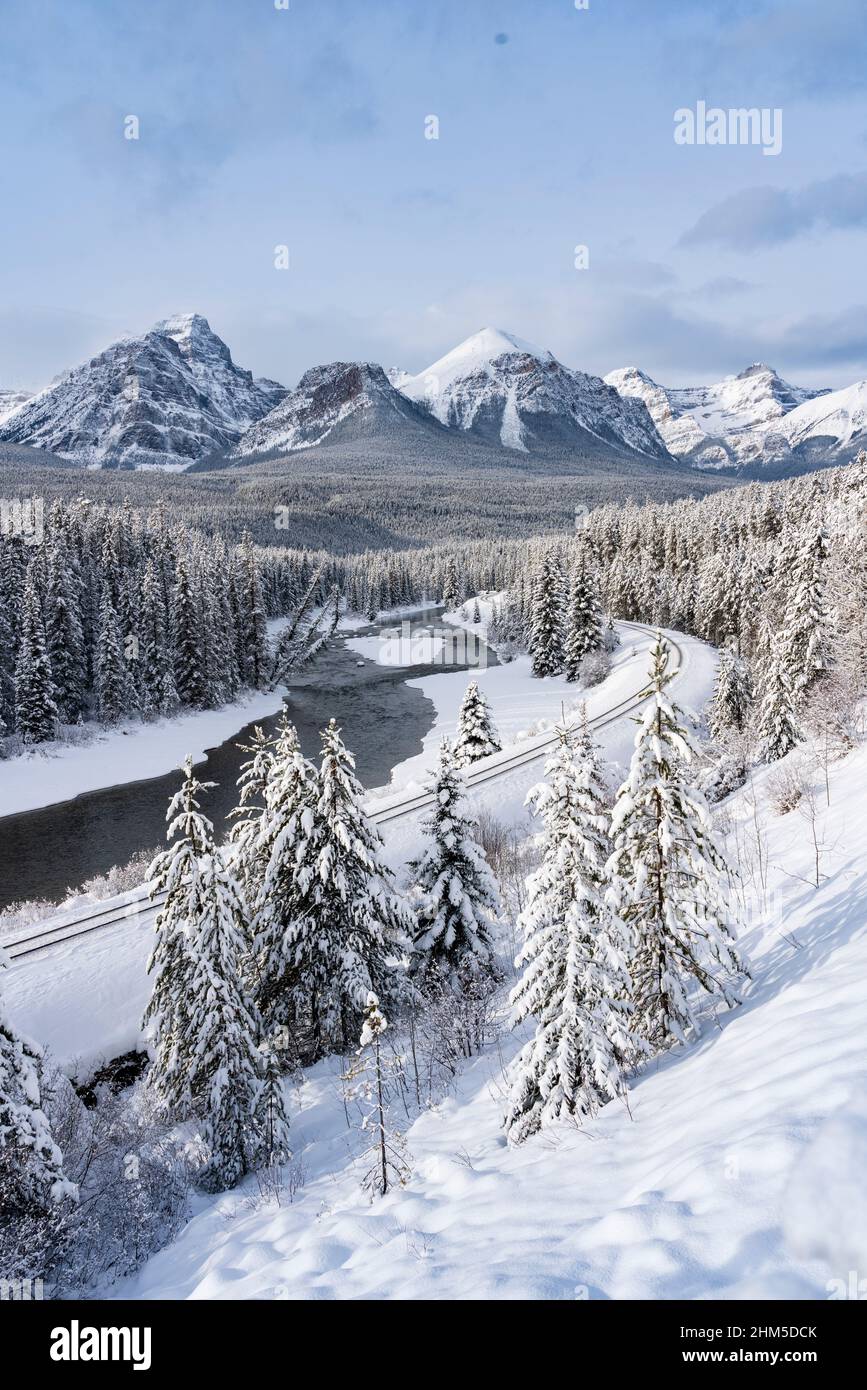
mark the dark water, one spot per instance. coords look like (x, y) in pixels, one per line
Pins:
(45, 853)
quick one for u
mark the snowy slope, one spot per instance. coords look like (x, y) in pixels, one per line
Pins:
(737, 1171)
(165, 399)
(10, 401)
(837, 421)
(509, 392)
(738, 422)
(337, 401)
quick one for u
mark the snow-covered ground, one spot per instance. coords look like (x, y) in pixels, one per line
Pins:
(733, 1173)
(736, 1171)
(128, 753)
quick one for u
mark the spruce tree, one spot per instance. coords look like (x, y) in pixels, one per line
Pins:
(115, 697)
(575, 981)
(204, 1029)
(583, 622)
(546, 633)
(35, 707)
(476, 734)
(451, 586)
(177, 872)
(64, 638)
(778, 728)
(279, 792)
(732, 697)
(343, 922)
(223, 1068)
(254, 632)
(669, 875)
(455, 892)
(158, 693)
(270, 1119)
(806, 640)
(187, 638)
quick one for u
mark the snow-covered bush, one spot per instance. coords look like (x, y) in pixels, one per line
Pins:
(722, 775)
(594, 667)
(133, 1181)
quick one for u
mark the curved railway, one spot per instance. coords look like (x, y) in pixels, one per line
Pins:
(382, 811)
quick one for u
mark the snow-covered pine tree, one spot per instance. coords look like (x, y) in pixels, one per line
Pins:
(223, 1067)
(456, 895)
(575, 979)
(476, 733)
(806, 639)
(583, 619)
(176, 871)
(732, 698)
(158, 693)
(254, 632)
(348, 924)
(247, 815)
(64, 638)
(35, 708)
(546, 632)
(32, 1180)
(669, 875)
(451, 586)
(270, 1120)
(203, 1027)
(271, 843)
(778, 728)
(115, 697)
(187, 640)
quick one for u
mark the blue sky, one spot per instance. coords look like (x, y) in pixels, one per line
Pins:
(305, 127)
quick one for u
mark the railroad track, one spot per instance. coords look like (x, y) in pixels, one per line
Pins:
(142, 906)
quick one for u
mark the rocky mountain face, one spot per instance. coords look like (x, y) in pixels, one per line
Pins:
(337, 402)
(162, 400)
(742, 423)
(508, 392)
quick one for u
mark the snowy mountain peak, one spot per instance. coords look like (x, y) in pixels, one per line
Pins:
(164, 399)
(333, 401)
(510, 392)
(193, 335)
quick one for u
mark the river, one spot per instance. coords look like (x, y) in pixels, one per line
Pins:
(49, 852)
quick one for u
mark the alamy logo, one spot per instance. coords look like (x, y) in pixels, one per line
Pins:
(741, 125)
(20, 1290)
(77, 1343)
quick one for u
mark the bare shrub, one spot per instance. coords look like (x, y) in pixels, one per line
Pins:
(446, 1027)
(786, 787)
(24, 914)
(121, 878)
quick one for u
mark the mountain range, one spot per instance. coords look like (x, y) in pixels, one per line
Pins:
(174, 398)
